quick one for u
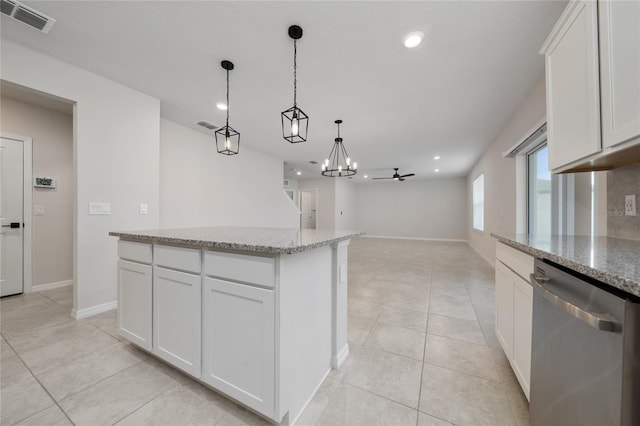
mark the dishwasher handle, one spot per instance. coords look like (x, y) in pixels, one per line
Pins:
(597, 321)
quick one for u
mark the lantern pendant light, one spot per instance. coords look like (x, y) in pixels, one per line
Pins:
(338, 164)
(227, 139)
(295, 123)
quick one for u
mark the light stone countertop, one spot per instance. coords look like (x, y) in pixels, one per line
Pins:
(613, 261)
(263, 240)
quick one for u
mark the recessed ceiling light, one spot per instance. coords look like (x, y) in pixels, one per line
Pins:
(365, 176)
(436, 170)
(437, 157)
(221, 106)
(413, 39)
(299, 173)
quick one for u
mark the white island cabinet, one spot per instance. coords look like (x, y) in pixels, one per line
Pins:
(257, 314)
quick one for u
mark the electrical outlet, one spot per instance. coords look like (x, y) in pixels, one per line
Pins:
(99, 208)
(144, 208)
(630, 205)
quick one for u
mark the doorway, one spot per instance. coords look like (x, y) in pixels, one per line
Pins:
(15, 209)
(308, 209)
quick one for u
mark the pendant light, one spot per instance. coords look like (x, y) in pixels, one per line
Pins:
(295, 123)
(227, 139)
(339, 164)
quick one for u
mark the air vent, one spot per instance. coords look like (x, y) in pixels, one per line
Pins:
(27, 15)
(6, 7)
(206, 124)
(313, 162)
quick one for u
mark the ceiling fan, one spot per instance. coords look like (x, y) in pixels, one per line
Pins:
(396, 176)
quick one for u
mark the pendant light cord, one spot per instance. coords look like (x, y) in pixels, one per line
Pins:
(295, 72)
(227, 98)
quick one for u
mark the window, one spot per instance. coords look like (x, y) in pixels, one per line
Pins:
(539, 191)
(552, 204)
(478, 203)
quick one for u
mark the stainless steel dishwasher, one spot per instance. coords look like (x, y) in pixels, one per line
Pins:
(585, 361)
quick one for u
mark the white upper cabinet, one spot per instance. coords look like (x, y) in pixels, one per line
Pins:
(592, 69)
(620, 67)
(571, 69)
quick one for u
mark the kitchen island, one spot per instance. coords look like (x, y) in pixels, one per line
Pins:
(258, 314)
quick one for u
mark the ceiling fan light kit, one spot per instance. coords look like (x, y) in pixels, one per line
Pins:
(339, 164)
(227, 138)
(295, 123)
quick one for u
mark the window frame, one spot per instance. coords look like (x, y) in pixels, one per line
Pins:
(474, 204)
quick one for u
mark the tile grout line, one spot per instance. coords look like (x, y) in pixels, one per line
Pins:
(55, 402)
(424, 350)
(146, 403)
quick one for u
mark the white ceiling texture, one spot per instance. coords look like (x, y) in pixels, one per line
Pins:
(450, 96)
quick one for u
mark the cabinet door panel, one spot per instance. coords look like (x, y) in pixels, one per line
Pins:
(620, 67)
(504, 308)
(573, 102)
(134, 302)
(239, 342)
(177, 320)
(522, 330)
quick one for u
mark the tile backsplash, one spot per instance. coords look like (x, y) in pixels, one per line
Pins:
(622, 182)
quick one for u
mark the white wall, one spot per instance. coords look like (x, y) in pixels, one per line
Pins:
(199, 187)
(325, 202)
(52, 234)
(431, 209)
(345, 208)
(116, 159)
(500, 175)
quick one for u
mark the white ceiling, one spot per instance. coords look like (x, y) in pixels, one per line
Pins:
(450, 96)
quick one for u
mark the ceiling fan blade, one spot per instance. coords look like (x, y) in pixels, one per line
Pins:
(410, 174)
(401, 180)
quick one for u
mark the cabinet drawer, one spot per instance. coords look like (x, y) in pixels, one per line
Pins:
(239, 267)
(521, 263)
(181, 258)
(138, 252)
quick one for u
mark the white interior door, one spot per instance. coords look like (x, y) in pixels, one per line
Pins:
(11, 216)
(308, 209)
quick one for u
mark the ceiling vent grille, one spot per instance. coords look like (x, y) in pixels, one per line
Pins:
(27, 15)
(206, 124)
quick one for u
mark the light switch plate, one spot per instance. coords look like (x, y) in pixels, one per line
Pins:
(38, 210)
(99, 208)
(630, 205)
(144, 208)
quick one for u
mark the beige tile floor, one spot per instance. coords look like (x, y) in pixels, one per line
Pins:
(423, 352)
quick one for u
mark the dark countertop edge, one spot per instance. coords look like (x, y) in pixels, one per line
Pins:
(607, 277)
(231, 246)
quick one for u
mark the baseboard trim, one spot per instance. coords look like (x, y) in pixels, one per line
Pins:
(94, 310)
(391, 237)
(50, 286)
(489, 261)
(341, 356)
